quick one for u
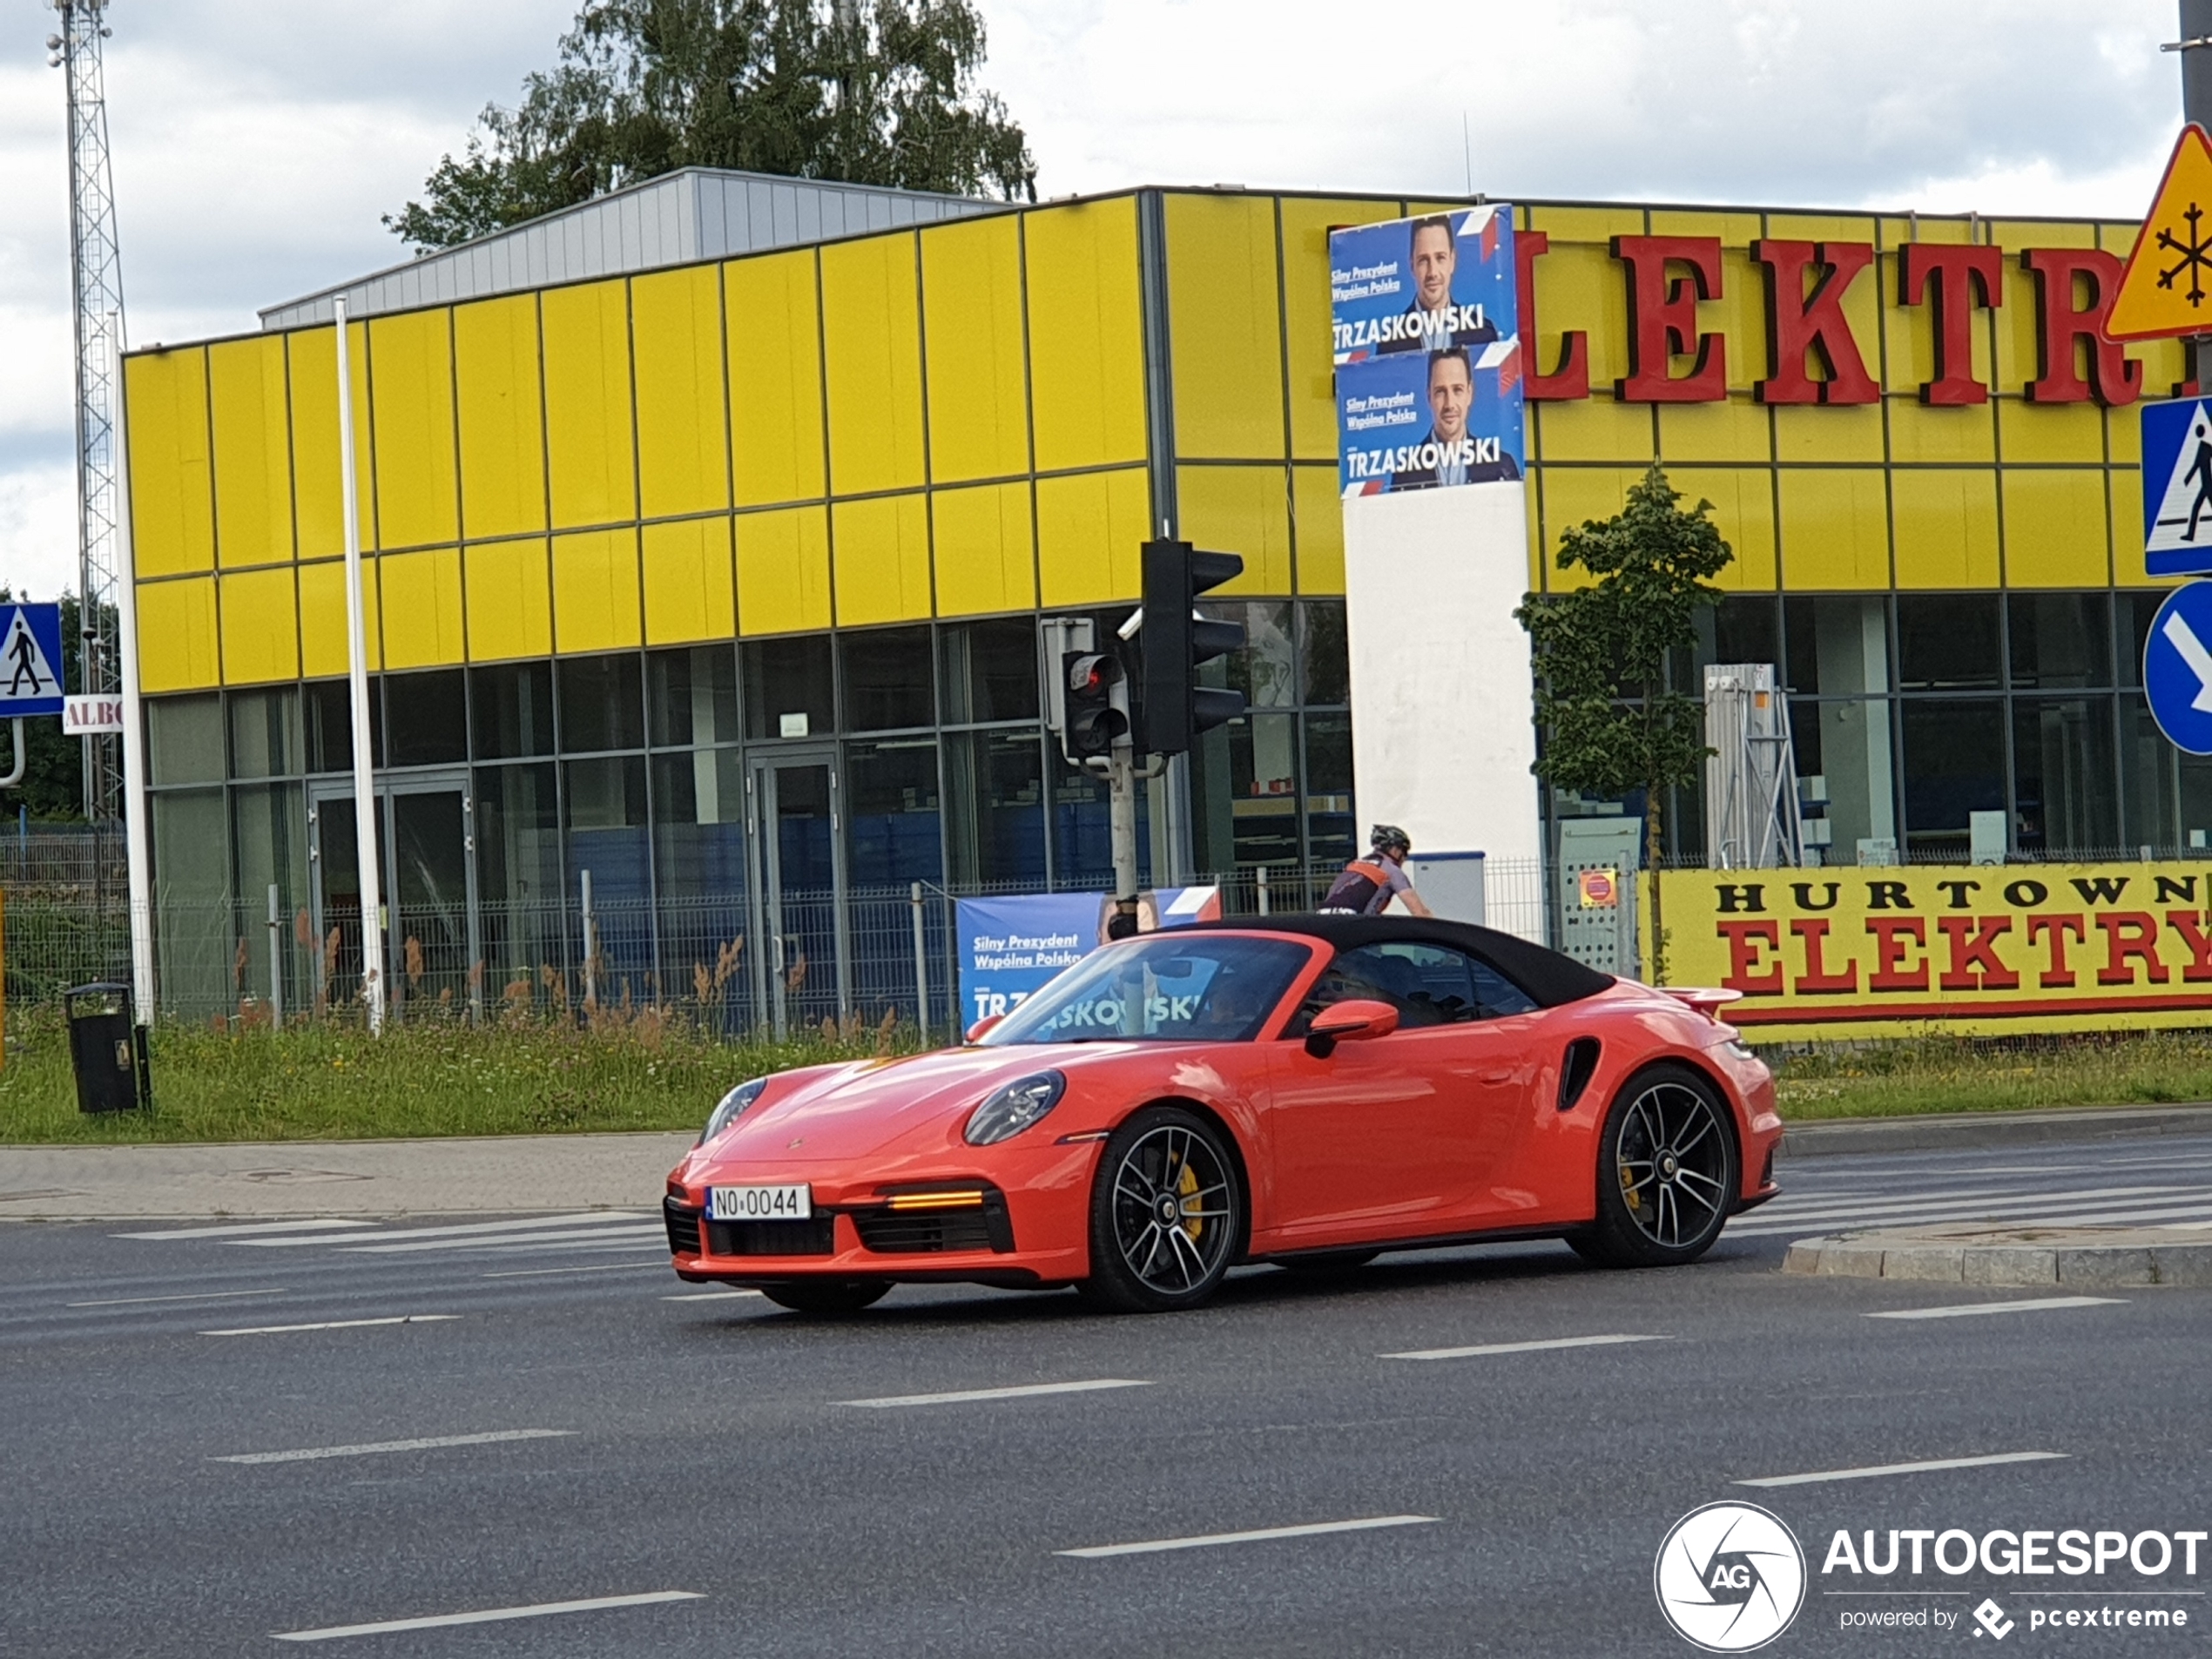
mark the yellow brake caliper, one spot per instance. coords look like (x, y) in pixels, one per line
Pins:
(1187, 1189)
(1628, 1191)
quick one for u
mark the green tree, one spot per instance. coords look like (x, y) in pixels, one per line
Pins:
(1612, 723)
(864, 91)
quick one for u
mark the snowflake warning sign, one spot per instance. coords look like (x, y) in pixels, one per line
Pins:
(2167, 285)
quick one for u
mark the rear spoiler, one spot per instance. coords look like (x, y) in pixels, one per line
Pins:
(1708, 1002)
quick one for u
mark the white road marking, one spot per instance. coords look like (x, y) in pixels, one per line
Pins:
(603, 1239)
(1021, 1393)
(432, 1443)
(1964, 1204)
(1517, 1347)
(1901, 1468)
(2022, 1214)
(488, 1616)
(720, 1296)
(533, 1223)
(2035, 1305)
(195, 1296)
(1100, 1552)
(246, 1227)
(549, 1272)
(330, 1325)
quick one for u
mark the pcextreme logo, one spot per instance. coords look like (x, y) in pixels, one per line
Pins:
(1730, 1577)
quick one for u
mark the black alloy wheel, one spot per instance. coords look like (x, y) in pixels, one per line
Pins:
(828, 1298)
(1166, 1214)
(1666, 1173)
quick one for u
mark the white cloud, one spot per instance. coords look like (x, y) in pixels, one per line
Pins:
(39, 529)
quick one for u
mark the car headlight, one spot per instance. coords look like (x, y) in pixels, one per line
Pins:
(1013, 1107)
(729, 1108)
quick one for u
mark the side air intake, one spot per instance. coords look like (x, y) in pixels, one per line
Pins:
(1577, 1070)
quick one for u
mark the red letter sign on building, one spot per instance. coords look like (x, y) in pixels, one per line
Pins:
(2064, 275)
(1963, 277)
(1571, 379)
(1799, 324)
(1662, 320)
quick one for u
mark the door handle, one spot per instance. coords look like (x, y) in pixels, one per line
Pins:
(1505, 1076)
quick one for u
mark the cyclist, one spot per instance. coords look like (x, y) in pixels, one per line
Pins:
(1368, 885)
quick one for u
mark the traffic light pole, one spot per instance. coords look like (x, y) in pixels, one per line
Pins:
(1120, 780)
(2194, 49)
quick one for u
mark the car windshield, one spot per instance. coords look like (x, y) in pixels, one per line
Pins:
(1168, 987)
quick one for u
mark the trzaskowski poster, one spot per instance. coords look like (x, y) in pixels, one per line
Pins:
(1974, 949)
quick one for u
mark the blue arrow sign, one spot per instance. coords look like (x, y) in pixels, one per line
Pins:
(2177, 668)
(30, 659)
(2178, 487)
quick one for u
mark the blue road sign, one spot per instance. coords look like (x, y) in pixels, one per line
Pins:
(2177, 667)
(2178, 487)
(30, 659)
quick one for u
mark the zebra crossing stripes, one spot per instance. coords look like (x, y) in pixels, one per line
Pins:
(2061, 1197)
(591, 1230)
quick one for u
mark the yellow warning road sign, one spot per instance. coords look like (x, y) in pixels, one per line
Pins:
(2166, 286)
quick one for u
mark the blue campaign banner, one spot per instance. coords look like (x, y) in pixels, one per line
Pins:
(1013, 945)
(2178, 487)
(30, 659)
(1425, 318)
(2177, 668)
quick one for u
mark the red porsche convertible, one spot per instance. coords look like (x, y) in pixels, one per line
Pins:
(1307, 1091)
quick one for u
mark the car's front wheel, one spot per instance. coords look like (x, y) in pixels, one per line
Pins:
(1165, 1214)
(825, 1296)
(1666, 1173)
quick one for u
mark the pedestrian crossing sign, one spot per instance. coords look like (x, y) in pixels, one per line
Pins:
(2165, 288)
(2178, 487)
(30, 659)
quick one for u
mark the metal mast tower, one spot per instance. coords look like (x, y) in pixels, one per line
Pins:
(96, 271)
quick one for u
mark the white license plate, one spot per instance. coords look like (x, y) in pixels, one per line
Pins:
(759, 1203)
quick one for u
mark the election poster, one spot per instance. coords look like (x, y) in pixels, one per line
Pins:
(1012, 945)
(1427, 352)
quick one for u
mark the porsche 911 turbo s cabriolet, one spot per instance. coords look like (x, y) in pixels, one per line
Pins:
(1306, 1091)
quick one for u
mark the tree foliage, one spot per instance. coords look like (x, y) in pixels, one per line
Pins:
(864, 91)
(1612, 723)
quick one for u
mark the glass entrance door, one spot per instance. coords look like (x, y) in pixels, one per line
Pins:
(802, 977)
(426, 848)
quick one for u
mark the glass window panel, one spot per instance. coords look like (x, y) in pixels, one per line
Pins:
(2065, 788)
(892, 826)
(989, 671)
(2060, 639)
(185, 740)
(1324, 671)
(602, 704)
(1331, 827)
(699, 823)
(520, 896)
(1265, 671)
(2195, 797)
(887, 680)
(265, 733)
(193, 932)
(1954, 766)
(2150, 778)
(1850, 745)
(327, 716)
(787, 687)
(1742, 627)
(1082, 851)
(1946, 641)
(1263, 772)
(2131, 631)
(994, 807)
(605, 804)
(513, 710)
(1837, 645)
(269, 843)
(692, 697)
(425, 717)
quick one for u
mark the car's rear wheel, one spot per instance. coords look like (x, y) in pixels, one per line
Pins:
(1666, 1173)
(825, 1296)
(1165, 1214)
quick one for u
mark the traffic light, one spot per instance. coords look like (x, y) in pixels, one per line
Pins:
(1175, 643)
(1097, 703)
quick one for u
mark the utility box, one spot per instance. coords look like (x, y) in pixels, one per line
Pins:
(1598, 858)
(1450, 884)
(106, 1049)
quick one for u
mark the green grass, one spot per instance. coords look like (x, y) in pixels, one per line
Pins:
(333, 1082)
(2017, 1074)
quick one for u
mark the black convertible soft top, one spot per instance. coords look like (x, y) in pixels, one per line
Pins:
(1549, 978)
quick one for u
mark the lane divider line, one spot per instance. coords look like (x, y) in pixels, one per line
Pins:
(1481, 1349)
(549, 1272)
(1877, 1470)
(1021, 1392)
(431, 1443)
(189, 1296)
(488, 1616)
(331, 1324)
(2036, 1304)
(599, 1239)
(715, 1296)
(1264, 1534)
(236, 1228)
(472, 1229)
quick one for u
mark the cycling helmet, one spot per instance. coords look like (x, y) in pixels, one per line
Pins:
(1382, 837)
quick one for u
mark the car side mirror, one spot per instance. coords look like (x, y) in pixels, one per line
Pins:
(1353, 1021)
(982, 1027)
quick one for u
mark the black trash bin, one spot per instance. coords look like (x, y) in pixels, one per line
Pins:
(106, 1048)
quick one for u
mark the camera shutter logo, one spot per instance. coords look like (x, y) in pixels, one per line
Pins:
(1730, 1577)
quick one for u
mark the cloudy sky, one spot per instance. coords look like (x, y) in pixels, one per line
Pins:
(257, 142)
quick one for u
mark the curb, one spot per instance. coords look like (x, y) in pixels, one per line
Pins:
(2133, 1256)
(1969, 1131)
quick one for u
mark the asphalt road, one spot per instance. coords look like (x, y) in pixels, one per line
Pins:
(652, 1440)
